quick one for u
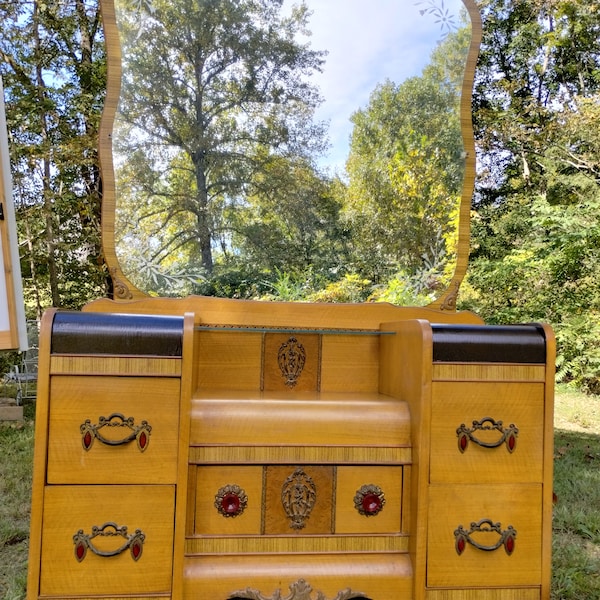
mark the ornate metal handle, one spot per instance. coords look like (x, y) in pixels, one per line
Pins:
(134, 542)
(508, 435)
(140, 433)
(506, 538)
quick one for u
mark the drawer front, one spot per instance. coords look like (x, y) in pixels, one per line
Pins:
(228, 500)
(113, 430)
(299, 577)
(129, 564)
(251, 500)
(456, 508)
(487, 432)
(368, 500)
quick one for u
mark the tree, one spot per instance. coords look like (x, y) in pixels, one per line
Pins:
(207, 87)
(53, 69)
(536, 238)
(405, 168)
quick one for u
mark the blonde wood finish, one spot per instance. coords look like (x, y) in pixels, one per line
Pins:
(488, 372)
(40, 456)
(334, 455)
(183, 485)
(349, 480)
(400, 436)
(67, 509)
(102, 365)
(299, 419)
(455, 404)
(208, 481)
(386, 577)
(295, 315)
(479, 594)
(405, 372)
(76, 399)
(519, 505)
(297, 544)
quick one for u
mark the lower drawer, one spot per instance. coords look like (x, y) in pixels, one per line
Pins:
(487, 562)
(327, 576)
(86, 551)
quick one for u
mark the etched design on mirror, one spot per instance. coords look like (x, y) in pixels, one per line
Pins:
(147, 207)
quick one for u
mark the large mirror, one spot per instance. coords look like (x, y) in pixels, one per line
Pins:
(273, 135)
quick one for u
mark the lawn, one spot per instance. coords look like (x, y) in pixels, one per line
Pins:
(576, 542)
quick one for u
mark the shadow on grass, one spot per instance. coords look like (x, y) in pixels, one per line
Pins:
(576, 522)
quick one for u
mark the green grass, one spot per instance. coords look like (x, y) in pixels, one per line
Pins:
(576, 540)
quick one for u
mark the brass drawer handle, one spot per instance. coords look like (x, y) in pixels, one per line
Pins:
(508, 435)
(506, 538)
(140, 433)
(133, 542)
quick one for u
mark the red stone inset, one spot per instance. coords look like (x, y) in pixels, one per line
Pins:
(371, 504)
(143, 440)
(509, 544)
(80, 552)
(231, 504)
(136, 550)
(461, 544)
(369, 500)
(511, 442)
(231, 501)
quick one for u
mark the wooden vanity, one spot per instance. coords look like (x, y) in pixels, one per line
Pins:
(222, 449)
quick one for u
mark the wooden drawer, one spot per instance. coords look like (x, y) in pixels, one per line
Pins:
(69, 509)
(362, 483)
(451, 506)
(257, 494)
(213, 486)
(479, 407)
(74, 400)
(349, 575)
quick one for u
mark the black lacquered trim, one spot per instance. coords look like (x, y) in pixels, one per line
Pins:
(111, 333)
(489, 343)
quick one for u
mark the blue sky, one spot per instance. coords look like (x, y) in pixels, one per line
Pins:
(368, 41)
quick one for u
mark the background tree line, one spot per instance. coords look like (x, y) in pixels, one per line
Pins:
(293, 231)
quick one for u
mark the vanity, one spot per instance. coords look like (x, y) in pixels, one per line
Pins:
(218, 449)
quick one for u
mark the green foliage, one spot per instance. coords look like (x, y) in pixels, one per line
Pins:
(202, 117)
(576, 523)
(53, 70)
(405, 166)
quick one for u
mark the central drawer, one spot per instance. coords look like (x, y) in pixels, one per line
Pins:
(257, 493)
(93, 565)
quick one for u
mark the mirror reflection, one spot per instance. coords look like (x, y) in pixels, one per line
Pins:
(301, 151)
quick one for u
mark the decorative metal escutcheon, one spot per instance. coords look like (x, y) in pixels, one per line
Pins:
(507, 436)
(506, 538)
(369, 500)
(291, 359)
(298, 496)
(231, 501)
(299, 590)
(140, 433)
(133, 542)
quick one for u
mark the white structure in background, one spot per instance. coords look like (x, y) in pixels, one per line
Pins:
(13, 330)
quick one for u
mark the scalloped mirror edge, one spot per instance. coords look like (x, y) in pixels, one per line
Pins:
(124, 290)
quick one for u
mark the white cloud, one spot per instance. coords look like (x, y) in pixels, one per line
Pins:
(368, 41)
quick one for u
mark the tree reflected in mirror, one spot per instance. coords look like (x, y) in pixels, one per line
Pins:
(219, 158)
